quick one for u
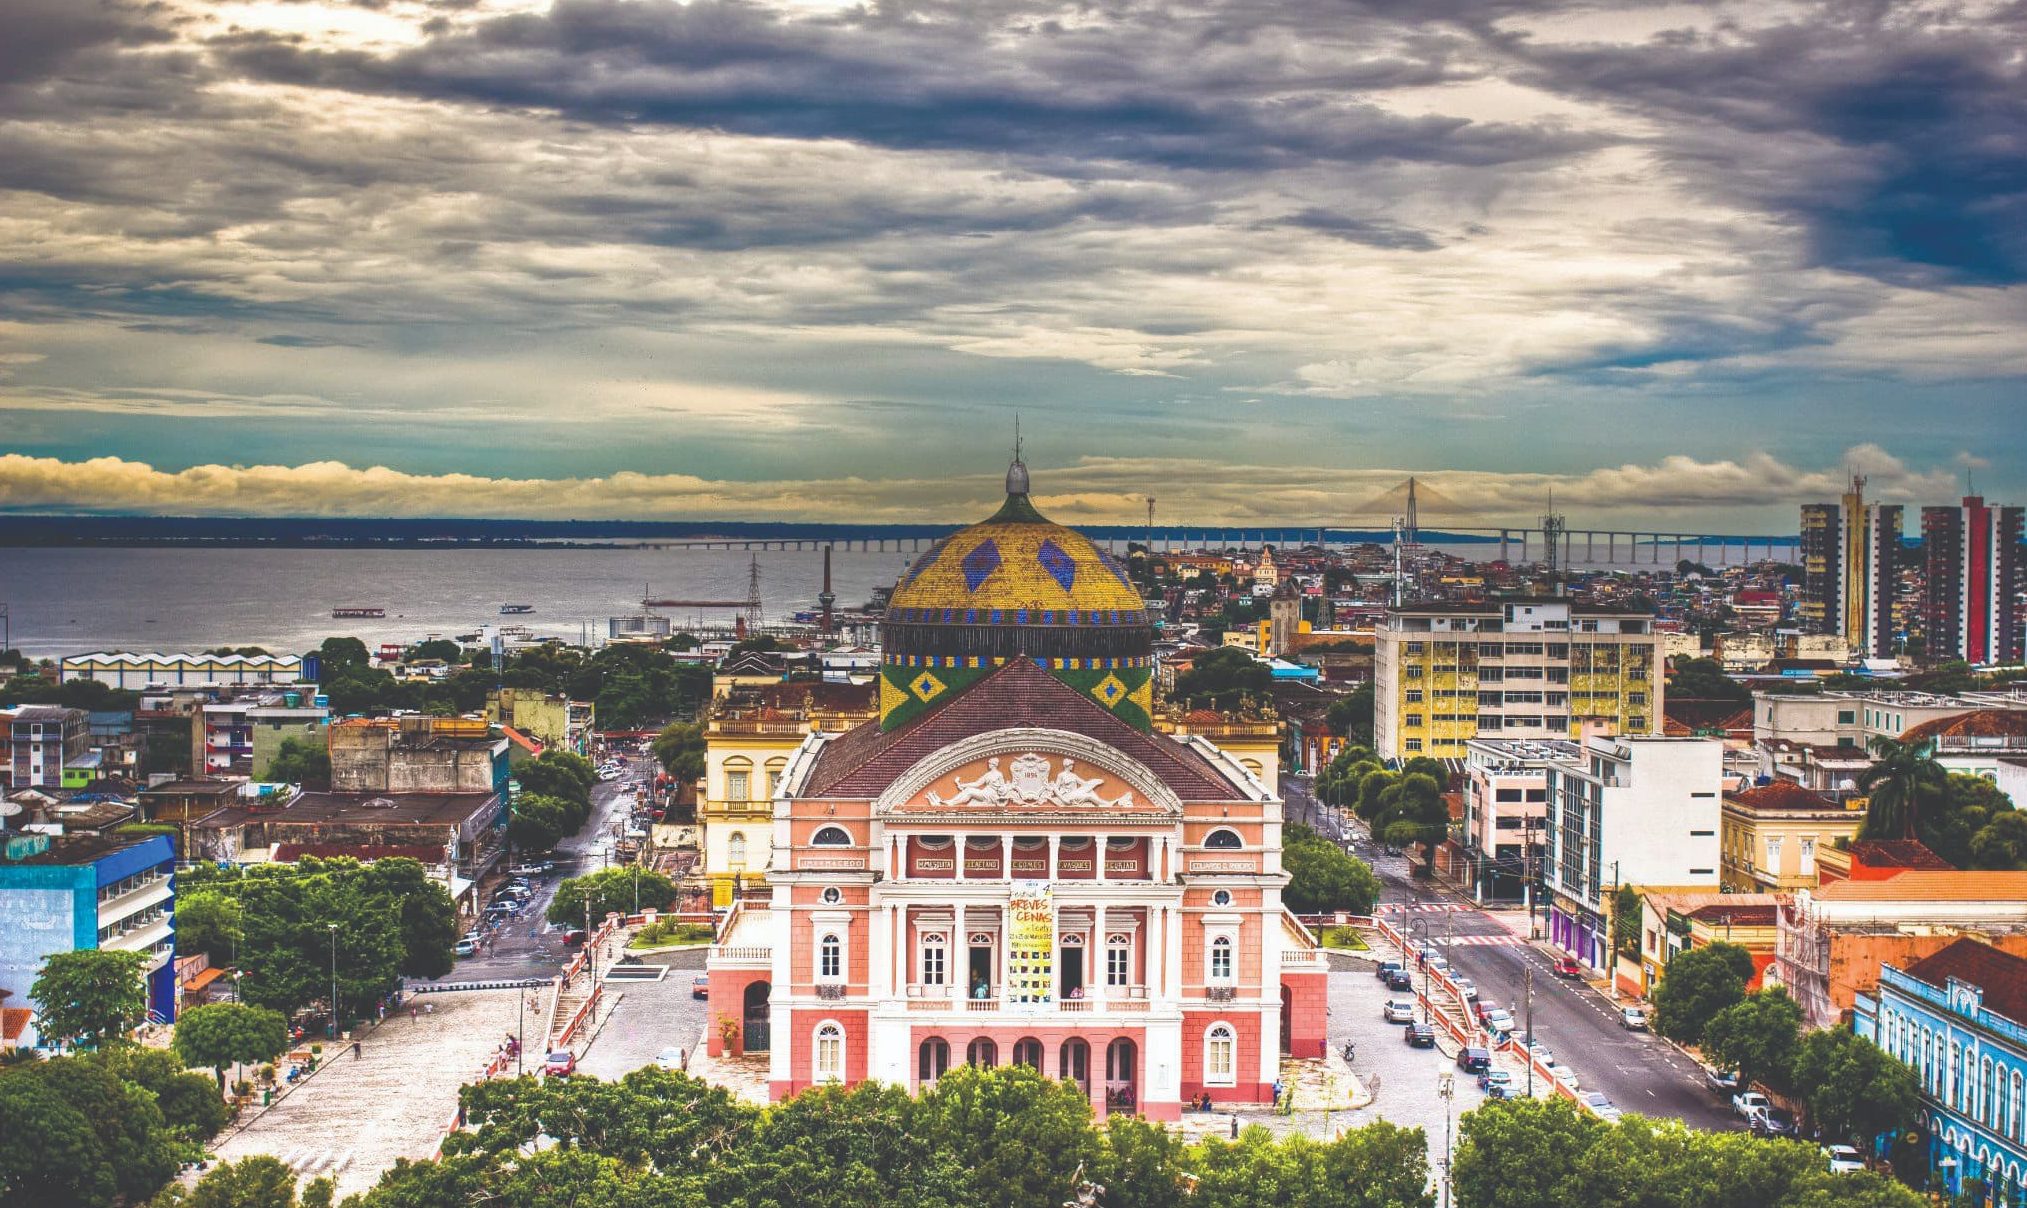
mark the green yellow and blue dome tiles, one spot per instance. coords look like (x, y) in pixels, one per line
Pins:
(910, 687)
(1017, 573)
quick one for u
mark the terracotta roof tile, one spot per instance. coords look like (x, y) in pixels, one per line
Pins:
(2001, 975)
(1898, 853)
(287, 853)
(1979, 723)
(1928, 885)
(14, 1023)
(1748, 915)
(864, 760)
(1782, 795)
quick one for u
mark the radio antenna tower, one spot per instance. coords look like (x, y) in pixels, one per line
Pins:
(1552, 527)
(1150, 525)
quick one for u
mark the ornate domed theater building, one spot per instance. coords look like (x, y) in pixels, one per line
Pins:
(1014, 864)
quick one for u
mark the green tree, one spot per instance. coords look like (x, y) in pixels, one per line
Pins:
(1321, 878)
(1412, 810)
(210, 923)
(679, 1123)
(427, 916)
(191, 1106)
(1852, 1088)
(1351, 715)
(216, 1035)
(831, 1147)
(133, 1137)
(300, 761)
(1627, 910)
(1971, 823)
(441, 649)
(1140, 1164)
(2001, 843)
(680, 750)
(339, 653)
(1224, 677)
(538, 821)
(561, 774)
(1524, 1153)
(1902, 780)
(256, 1182)
(91, 996)
(1704, 679)
(1020, 1137)
(49, 1153)
(1697, 985)
(610, 891)
(1757, 1036)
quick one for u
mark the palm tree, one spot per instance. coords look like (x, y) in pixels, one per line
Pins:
(1903, 776)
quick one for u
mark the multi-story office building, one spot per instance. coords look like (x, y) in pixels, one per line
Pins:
(67, 892)
(1640, 811)
(1014, 866)
(1505, 808)
(242, 736)
(1446, 673)
(1971, 581)
(1850, 557)
(43, 740)
(1958, 1018)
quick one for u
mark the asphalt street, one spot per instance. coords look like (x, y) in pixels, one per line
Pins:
(1639, 1071)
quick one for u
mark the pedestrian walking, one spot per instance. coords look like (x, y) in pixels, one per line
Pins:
(355, 1050)
(415, 1014)
(1235, 1126)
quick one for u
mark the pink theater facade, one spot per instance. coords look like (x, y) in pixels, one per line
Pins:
(1020, 876)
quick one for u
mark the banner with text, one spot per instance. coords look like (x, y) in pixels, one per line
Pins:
(1031, 946)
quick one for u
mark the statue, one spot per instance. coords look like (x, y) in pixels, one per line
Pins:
(989, 789)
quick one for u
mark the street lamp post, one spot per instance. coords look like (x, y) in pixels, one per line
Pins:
(333, 929)
(1527, 991)
(1446, 1089)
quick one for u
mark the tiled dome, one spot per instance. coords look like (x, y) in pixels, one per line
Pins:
(1015, 585)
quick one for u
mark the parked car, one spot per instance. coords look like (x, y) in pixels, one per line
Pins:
(1399, 980)
(467, 946)
(669, 1059)
(1492, 1078)
(1722, 1081)
(1474, 1060)
(1398, 1010)
(1566, 1076)
(560, 1063)
(574, 937)
(1774, 1122)
(1420, 1035)
(1566, 966)
(1387, 968)
(1499, 1022)
(1483, 1008)
(1541, 1053)
(1504, 1090)
(1749, 1104)
(1465, 986)
(1843, 1159)
(1633, 1019)
(700, 986)
(1599, 1105)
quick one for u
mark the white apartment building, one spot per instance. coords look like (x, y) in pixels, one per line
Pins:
(1505, 816)
(1446, 673)
(1625, 810)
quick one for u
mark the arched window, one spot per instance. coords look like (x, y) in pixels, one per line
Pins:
(1028, 1052)
(735, 851)
(935, 953)
(770, 776)
(932, 1059)
(831, 836)
(829, 1063)
(1988, 1112)
(2018, 1123)
(982, 1053)
(738, 780)
(1223, 840)
(1073, 1062)
(1221, 959)
(1220, 1056)
(830, 957)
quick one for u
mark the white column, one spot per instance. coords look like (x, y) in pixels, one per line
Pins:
(1104, 843)
(1054, 840)
(879, 953)
(1171, 973)
(1094, 959)
(963, 844)
(1006, 856)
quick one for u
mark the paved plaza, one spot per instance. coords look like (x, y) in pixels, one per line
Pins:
(355, 1116)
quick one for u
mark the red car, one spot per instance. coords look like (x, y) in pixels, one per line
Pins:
(1566, 966)
(560, 1063)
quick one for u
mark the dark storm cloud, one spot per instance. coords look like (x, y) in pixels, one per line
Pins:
(1899, 140)
(41, 38)
(1372, 232)
(1216, 89)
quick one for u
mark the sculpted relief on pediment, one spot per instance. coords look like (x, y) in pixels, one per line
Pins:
(1030, 779)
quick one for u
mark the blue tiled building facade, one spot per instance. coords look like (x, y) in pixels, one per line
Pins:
(65, 893)
(1959, 1019)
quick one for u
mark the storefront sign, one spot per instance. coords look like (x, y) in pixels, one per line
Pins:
(1031, 940)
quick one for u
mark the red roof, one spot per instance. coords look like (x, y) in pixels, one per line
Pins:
(523, 741)
(1898, 853)
(1747, 915)
(1979, 723)
(14, 1023)
(863, 761)
(1782, 795)
(2001, 975)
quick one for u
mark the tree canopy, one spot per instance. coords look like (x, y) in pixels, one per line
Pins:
(1852, 1088)
(680, 750)
(1321, 877)
(1758, 1037)
(300, 761)
(91, 996)
(1696, 986)
(611, 891)
(215, 1035)
(1704, 679)
(74, 1132)
(1222, 678)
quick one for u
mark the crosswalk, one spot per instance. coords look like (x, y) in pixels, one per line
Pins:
(1421, 907)
(314, 1162)
(1506, 940)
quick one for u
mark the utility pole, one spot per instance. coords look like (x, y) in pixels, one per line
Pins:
(1446, 1090)
(1527, 992)
(333, 929)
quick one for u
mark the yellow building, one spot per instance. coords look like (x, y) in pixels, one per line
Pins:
(749, 736)
(1672, 923)
(551, 719)
(1250, 737)
(1772, 834)
(1446, 673)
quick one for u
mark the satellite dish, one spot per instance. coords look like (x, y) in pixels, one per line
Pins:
(9, 808)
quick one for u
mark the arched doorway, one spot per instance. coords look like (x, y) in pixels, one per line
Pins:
(932, 1061)
(1122, 1092)
(1287, 1020)
(1028, 1052)
(1074, 1063)
(982, 1053)
(753, 1021)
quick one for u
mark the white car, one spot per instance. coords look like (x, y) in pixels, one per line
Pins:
(1465, 986)
(1499, 1021)
(1566, 1076)
(1748, 1104)
(1541, 1053)
(1398, 1010)
(1843, 1159)
(669, 1059)
(1600, 1106)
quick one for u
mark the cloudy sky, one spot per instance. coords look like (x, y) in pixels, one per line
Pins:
(1675, 263)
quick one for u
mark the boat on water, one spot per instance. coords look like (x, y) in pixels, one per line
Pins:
(368, 613)
(516, 610)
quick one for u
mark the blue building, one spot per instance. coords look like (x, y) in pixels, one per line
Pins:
(1959, 1018)
(65, 892)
